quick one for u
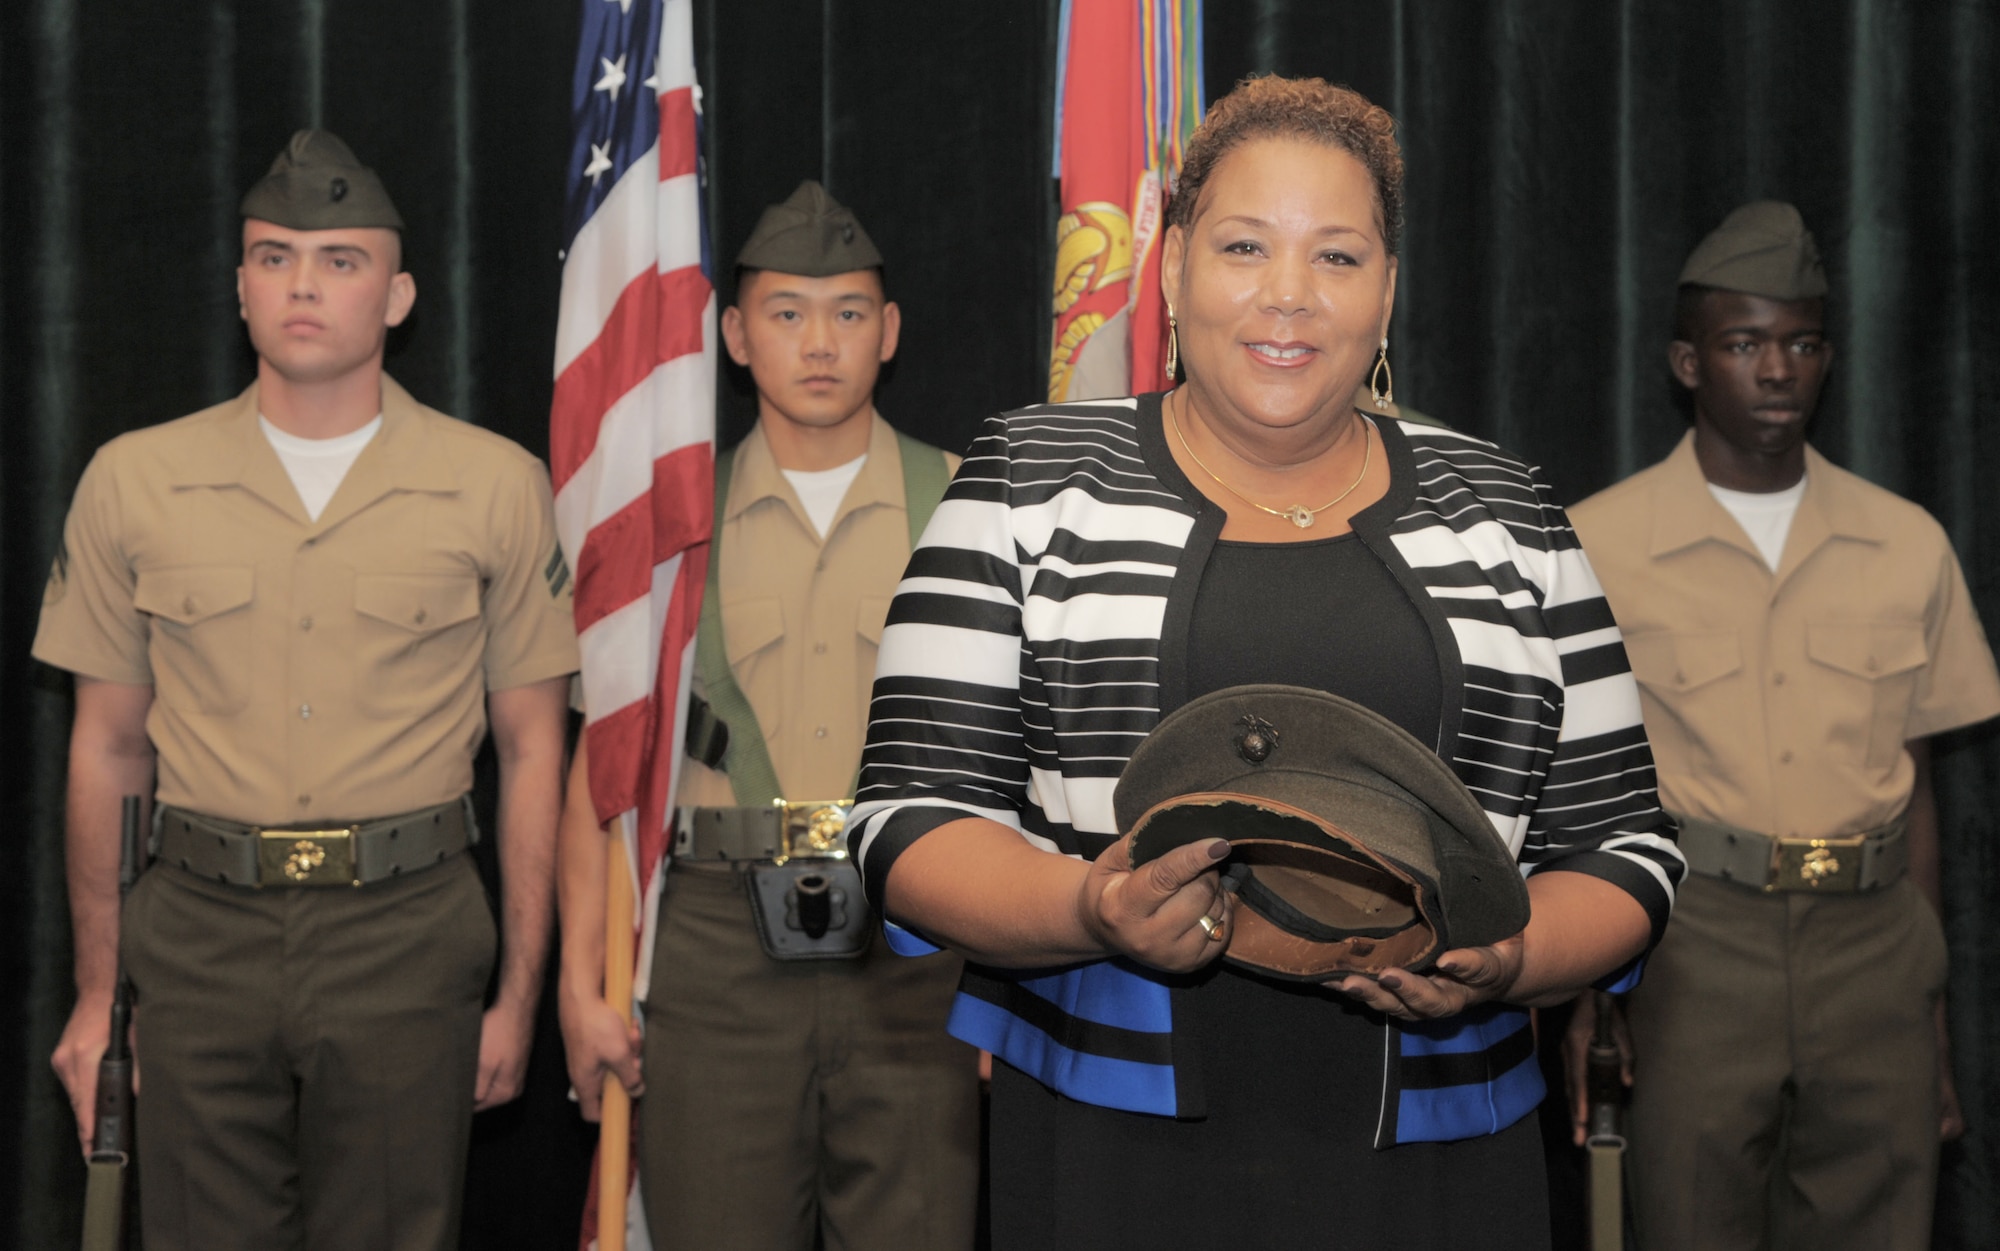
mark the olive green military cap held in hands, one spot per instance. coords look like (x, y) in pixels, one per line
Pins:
(1354, 848)
(1760, 249)
(317, 184)
(811, 235)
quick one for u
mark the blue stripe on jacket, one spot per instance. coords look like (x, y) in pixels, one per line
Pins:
(1014, 1025)
(1465, 1076)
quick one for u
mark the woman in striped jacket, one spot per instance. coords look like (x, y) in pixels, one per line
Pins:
(1097, 565)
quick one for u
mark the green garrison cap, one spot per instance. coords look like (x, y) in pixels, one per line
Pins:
(317, 184)
(810, 235)
(1761, 249)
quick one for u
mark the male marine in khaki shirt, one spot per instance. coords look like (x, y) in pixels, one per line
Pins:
(788, 1099)
(299, 609)
(1798, 636)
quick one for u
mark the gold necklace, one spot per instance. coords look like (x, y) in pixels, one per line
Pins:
(1298, 514)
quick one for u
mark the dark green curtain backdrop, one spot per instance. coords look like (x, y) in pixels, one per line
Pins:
(1562, 159)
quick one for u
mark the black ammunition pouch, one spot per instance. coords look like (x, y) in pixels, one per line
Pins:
(809, 909)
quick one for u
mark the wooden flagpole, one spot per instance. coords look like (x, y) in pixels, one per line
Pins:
(614, 1143)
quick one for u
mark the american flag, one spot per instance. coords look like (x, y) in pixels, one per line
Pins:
(632, 429)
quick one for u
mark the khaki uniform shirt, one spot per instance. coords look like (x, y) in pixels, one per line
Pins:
(311, 671)
(802, 616)
(1780, 702)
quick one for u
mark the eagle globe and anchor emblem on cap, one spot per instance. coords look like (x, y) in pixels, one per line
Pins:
(1255, 738)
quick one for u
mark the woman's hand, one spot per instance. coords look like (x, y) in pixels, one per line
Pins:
(1580, 928)
(1156, 913)
(1462, 977)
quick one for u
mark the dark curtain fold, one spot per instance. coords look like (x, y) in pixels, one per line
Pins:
(1562, 159)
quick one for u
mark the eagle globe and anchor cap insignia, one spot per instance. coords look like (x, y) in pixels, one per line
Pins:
(1257, 738)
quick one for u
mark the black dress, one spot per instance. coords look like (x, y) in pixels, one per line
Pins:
(1293, 1075)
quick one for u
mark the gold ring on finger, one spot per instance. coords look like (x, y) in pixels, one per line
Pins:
(1211, 927)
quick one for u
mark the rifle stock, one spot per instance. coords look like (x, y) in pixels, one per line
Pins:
(1605, 1068)
(111, 1143)
(1604, 1082)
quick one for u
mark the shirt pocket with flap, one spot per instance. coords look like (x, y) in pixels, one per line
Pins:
(417, 640)
(752, 630)
(871, 618)
(1694, 691)
(1865, 679)
(201, 635)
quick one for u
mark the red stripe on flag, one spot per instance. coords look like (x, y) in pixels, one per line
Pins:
(683, 617)
(616, 564)
(656, 319)
(677, 131)
(617, 749)
(685, 479)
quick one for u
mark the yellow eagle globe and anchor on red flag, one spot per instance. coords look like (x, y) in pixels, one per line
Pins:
(1093, 272)
(1128, 96)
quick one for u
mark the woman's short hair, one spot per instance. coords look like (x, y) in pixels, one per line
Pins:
(1311, 109)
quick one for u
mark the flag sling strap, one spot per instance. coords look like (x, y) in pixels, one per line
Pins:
(747, 759)
(926, 474)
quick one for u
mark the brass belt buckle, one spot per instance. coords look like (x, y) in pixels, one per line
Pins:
(1821, 864)
(306, 857)
(812, 829)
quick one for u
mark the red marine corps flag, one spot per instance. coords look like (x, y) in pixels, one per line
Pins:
(1128, 94)
(631, 445)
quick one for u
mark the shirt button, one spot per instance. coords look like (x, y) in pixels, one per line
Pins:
(820, 647)
(305, 801)
(187, 605)
(1784, 757)
(305, 623)
(819, 732)
(1873, 664)
(305, 712)
(1778, 678)
(314, 542)
(421, 617)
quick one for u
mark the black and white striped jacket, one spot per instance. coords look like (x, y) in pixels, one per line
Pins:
(1040, 632)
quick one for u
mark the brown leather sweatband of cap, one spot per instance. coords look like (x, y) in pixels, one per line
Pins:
(1843, 865)
(325, 854)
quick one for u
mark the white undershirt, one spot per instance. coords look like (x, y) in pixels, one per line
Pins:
(1765, 516)
(317, 465)
(821, 490)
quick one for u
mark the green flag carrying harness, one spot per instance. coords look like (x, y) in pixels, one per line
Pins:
(745, 757)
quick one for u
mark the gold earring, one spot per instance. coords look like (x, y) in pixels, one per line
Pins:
(1385, 395)
(1173, 346)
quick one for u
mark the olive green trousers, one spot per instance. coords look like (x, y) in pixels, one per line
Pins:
(1785, 1091)
(785, 1097)
(306, 1059)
